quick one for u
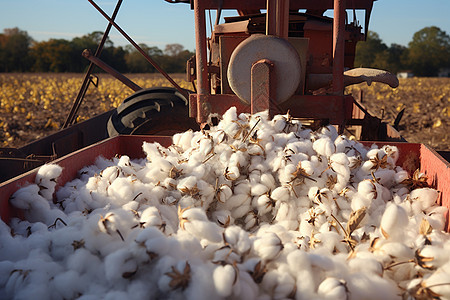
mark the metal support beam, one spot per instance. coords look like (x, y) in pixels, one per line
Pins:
(202, 63)
(262, 87)
(105, 67)
(338, 47)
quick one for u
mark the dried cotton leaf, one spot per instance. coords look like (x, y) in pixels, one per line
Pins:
(355, 219)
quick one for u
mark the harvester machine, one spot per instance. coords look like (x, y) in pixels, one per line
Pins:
(283, 56)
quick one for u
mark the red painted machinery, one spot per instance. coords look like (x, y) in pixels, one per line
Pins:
(276, 55)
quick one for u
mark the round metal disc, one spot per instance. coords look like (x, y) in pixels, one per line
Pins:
(287, 66)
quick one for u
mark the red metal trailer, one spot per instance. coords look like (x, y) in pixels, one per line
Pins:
(276, 55)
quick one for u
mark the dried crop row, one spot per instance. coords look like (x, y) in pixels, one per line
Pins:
(36, 105)
(426, 104)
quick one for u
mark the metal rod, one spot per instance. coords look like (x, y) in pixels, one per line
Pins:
(77, 103)
(201, 62)
(101, 64)
(271, 19)
(282, 17)
(338, 46)
(147, 57)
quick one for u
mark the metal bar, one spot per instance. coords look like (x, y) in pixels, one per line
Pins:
(101, 64)
(202, 67)
(282, 17)
(84, 86)
(271, 17)
(147, 57)
(338, 46)
(261, 88)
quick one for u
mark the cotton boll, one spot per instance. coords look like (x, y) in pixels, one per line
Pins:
(397, 250)
(195, 222)
(438, 283)
(264, 204)
(119, 265)
(393, 222)
(436, 216)
(329, 131)
(24, 197)
(83, 261)
(333, 288)
(118, 222)
(367, 265)
(400, 176)
(281, 193)
(238, 239)
(154, 240)
(121, 191)
(392, 152)
(259, 189)
(361, 286)
(151, 217)
(224, 193)
(268, 180)
(268, 247)
(236, 200)
(224, 279)
(68, 285)
(46, 179)
(433, 257)
(324, 146)
(204, 230)
(426, 196)
(286, 286)
(222, 217)
(110, 173)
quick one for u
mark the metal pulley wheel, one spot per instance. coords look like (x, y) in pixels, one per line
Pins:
(287, 66)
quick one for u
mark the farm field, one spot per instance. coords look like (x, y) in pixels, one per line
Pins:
(36, 105)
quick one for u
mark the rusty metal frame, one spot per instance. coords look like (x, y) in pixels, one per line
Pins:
(85, 85)
(203, 102)
(137, 47)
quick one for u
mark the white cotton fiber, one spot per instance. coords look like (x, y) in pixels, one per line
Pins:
(252, 208)
(46, 178)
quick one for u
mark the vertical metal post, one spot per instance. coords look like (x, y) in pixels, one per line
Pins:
(283, 18)
(271, 20)
(338, 46)
(201, 62)
(277, 18)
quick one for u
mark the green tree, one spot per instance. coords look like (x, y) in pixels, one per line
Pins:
(370, 52)
(392, 59)
(175, 57)
(14, 50)
(136, 62)
(429, 51)
(52, 56)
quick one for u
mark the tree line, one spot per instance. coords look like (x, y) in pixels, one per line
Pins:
(426, 55)
(20, 53)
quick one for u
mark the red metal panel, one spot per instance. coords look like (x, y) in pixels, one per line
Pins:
(419, 156)
(337, 109)
(438, 173)
(71, 163)
(218, 103)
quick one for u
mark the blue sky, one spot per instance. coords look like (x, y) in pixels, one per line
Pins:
(157, 23)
